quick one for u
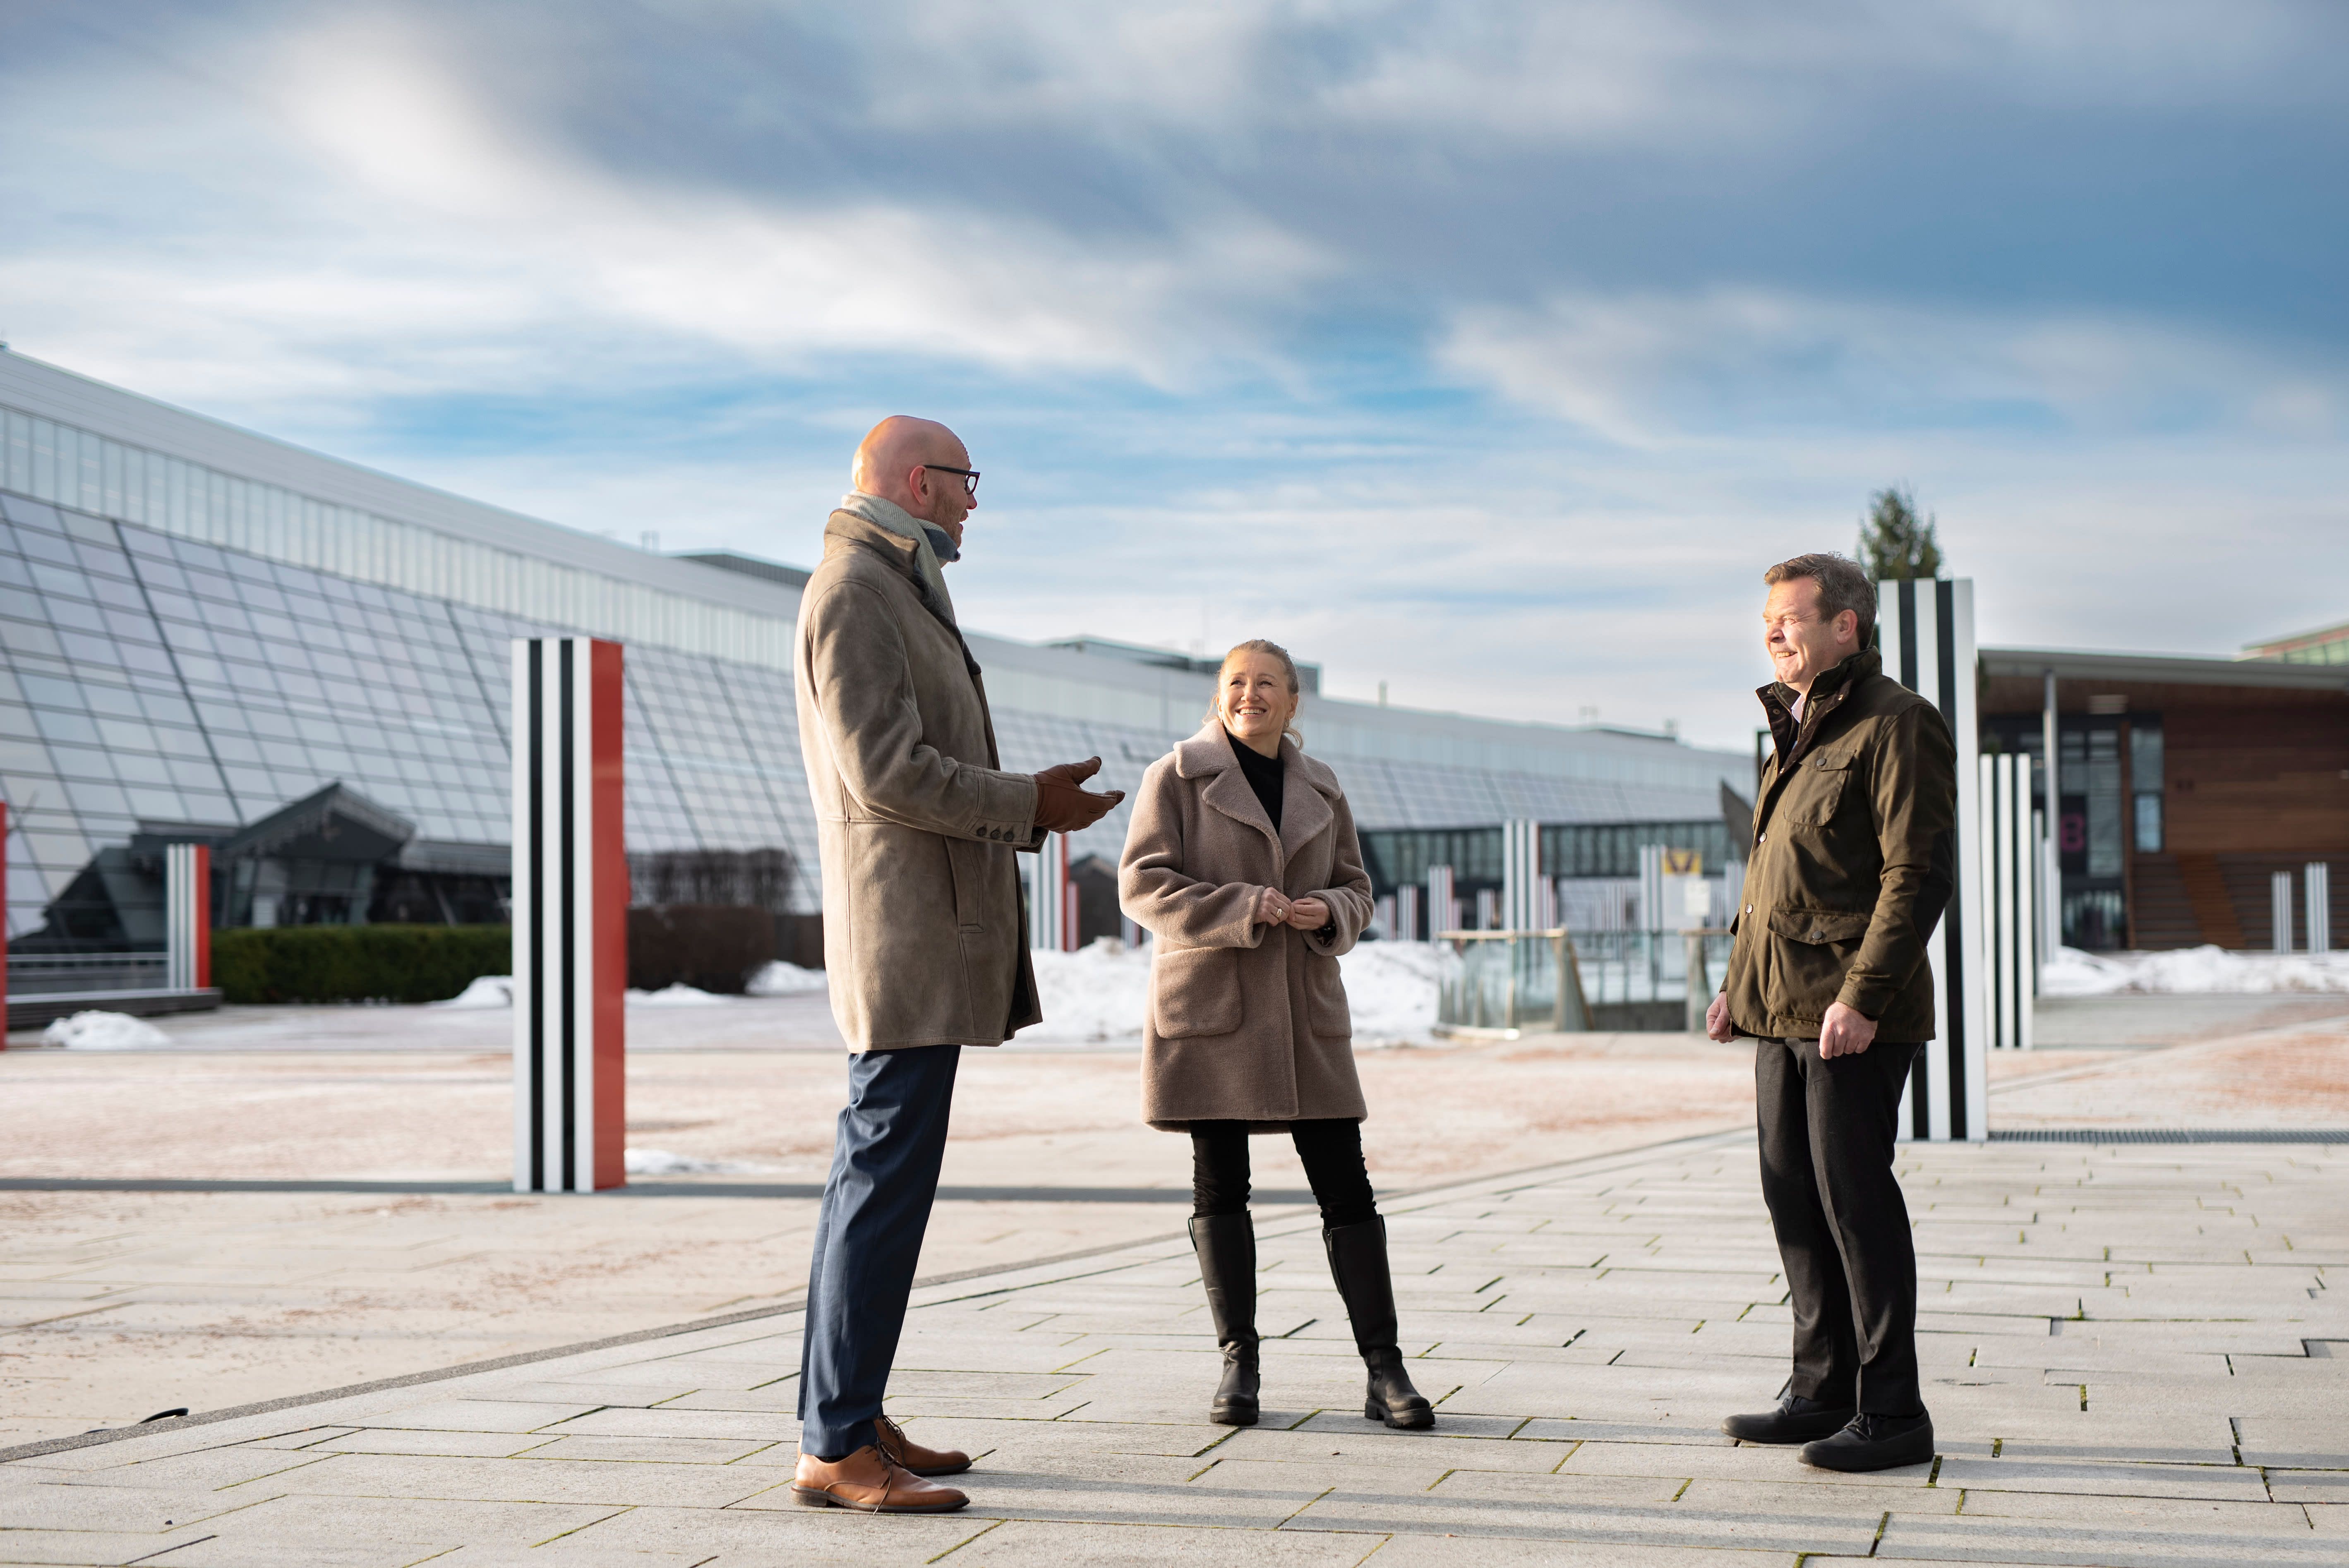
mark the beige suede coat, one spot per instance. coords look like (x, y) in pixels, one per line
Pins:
(1247, 1022)
(915, 823)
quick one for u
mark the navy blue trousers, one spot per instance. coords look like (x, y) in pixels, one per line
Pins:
(868, 1238)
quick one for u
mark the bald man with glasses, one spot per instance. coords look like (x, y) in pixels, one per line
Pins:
(924, 939)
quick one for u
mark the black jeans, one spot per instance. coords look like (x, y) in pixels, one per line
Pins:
(1331, 1153)
(1828, 1132)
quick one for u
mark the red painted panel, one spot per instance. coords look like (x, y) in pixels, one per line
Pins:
(3, 925)
(203, 915)
(611, 914)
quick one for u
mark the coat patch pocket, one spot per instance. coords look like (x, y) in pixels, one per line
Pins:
(1195, 991)
(1819, 924)
(1815, 792)
(1810, 951)
(1325, 998)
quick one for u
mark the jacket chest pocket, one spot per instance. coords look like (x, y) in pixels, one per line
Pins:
(1816, 793)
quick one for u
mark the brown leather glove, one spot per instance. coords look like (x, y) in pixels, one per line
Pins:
(1062, 806)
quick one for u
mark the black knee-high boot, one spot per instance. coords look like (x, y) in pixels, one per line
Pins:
(1358, 1261)
(1227, 1247)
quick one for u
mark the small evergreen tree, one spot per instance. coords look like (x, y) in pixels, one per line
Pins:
(1894, 541)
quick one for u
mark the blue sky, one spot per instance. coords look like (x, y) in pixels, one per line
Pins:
(1486, 350)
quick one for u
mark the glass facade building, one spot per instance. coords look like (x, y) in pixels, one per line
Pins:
(201, 628)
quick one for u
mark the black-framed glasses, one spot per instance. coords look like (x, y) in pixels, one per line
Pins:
(969, 476)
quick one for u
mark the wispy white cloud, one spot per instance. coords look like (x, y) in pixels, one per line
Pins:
(1646, 369)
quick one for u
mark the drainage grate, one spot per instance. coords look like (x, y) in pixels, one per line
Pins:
(2170, 1135)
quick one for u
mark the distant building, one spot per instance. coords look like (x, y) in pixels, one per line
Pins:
(2185, 783)
(206, 634)
(2328, 645)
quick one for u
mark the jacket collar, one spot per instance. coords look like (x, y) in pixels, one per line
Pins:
(903, 554)
(1827, 693)
(1307, 786)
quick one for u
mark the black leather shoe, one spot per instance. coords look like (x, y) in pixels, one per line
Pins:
(1798, 1419)
(1875, 1443)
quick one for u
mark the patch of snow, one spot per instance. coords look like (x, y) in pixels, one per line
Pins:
(1095, 994)
(678, 995)
(1101, 994)
(103, 1032)
(1391, 989)
(2190, 971)
(661, 1162)
(486, 991)
(782, 979)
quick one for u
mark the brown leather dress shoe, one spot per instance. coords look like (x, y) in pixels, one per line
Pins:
(910, 1455)
(870, 1482)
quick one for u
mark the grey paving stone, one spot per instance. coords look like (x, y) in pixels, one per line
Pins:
(1485, 1552)
(51, 1505)
(2172, 1513)
(1377, 1446)
(1000, 1442)
(661, 1451)
(1982, 1476)
(2309, 1486)
(458, 1445)
(626, 1421)
(482, 1415)
(595, 1394)
(525, 1479)
(206, 1470)
(1592, 1509)
(797, 1538)
(1042, 1543)
(2093, 1544)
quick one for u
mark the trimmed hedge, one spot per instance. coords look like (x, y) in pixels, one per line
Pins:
(357, 963)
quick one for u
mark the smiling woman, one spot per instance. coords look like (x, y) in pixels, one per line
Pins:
(1242, 860)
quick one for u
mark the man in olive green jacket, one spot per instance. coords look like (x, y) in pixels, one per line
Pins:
(1848, 875)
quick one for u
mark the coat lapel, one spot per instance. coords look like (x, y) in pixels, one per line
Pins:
(1208, 755)
(1304, 809)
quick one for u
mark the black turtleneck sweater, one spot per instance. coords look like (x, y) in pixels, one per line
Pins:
(1264, 773)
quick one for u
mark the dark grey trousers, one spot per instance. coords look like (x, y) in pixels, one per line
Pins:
(1828, 1134)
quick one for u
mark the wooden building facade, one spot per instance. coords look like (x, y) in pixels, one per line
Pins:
(2185, 784)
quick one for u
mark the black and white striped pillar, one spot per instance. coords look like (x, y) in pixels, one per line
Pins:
(570, 917)
(2010, 858)
(187, 917)
(1926, 630)
(1521, 899)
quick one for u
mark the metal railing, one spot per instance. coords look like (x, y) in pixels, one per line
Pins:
(1511, 981)
(46, 974)
(1651, 965)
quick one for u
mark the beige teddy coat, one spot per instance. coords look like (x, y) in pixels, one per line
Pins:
(1247, 1022)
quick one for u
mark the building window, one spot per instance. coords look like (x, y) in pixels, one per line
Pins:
(2146, 784)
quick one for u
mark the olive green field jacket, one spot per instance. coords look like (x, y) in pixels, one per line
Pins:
(1850, 863)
